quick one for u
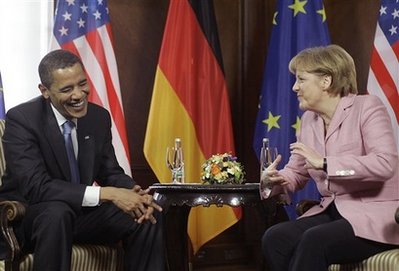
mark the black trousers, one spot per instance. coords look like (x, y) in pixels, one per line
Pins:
(49, 229)
(313, 243)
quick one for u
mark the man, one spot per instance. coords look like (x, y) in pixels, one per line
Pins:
(63, 206)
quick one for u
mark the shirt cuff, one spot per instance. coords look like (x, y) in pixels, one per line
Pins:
(91, 197)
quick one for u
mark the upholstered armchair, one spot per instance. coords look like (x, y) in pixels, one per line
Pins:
(84, 257)
(384, 261)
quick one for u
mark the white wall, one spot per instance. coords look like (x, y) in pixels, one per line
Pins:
(25, 31)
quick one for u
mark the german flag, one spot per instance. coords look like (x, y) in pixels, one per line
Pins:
(190, 101)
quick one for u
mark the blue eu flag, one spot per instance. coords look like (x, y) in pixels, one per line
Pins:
(296, 25)
(2, 107)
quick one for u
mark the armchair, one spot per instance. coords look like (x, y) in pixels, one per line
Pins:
(84, 257)
(387, 260)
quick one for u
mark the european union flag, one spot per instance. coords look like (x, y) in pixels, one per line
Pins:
(296, 25)
(2, 107)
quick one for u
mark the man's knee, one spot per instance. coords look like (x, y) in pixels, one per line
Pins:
(53, 213)
(46, 221)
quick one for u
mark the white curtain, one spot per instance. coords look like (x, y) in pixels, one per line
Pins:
(25, 32)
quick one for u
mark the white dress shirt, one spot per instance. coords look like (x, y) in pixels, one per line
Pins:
(92, 193)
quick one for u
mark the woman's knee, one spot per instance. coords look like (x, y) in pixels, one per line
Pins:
(274, 236)
(269, 235)
(311, 239)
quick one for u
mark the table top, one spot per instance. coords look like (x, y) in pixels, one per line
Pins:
(196, 194)
(198, 187)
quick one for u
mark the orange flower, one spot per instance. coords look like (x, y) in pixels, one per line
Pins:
(215, 169)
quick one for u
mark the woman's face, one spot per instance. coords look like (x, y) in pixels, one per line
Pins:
(310, 89)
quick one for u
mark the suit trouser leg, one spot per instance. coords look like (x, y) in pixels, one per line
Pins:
(144, 247)
(143, 243)
(333, 242)
(49, 229)
(280, 241)
(46, 229)
(313, 243)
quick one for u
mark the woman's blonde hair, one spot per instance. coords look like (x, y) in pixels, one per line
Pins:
(331, 60)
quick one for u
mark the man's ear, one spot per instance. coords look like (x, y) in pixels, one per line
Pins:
(44, 91)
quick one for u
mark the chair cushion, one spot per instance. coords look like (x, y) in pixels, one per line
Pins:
(384, 261)
(97, 258)
(86, 258)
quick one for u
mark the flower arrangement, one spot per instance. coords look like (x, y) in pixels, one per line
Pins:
(222, 169)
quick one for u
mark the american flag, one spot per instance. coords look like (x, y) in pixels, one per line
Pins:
(83, 27)
(383, 78)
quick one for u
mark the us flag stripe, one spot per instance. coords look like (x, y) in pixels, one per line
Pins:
(83, 27)
(383, 78)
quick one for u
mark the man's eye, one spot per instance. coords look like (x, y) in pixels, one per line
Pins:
(65, 90)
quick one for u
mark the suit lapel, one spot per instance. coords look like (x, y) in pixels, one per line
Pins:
(56, 141)
(86, 153)
(318, 131)
(341, 113)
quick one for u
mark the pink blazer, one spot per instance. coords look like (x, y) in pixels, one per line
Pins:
(363, 167)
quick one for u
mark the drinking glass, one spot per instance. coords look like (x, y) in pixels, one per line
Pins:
(267, 156)
(174, 161)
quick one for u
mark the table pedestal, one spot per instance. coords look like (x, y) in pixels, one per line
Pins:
(177, 200)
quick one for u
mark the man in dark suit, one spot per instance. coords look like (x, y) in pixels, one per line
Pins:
(63, 206)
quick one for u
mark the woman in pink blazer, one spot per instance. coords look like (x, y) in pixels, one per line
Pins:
(347, 146)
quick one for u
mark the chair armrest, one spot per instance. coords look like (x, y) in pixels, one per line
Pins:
(397, 215)
(10, 213)
(304, 205)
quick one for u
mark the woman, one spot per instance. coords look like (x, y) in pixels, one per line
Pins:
(346, 145)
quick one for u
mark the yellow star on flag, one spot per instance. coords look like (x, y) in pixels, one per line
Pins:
(298, 6)
(297, 125)
(272, 121)
(274, 18)
(322, 12)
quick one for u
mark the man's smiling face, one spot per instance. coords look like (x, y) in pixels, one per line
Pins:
(69, 91)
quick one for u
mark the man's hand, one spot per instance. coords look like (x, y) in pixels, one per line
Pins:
(137, 188)
(136, 202)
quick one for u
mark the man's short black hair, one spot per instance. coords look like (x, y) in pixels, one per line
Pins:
(58, 59)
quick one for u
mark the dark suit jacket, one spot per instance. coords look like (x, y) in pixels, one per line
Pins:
(37, 165)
